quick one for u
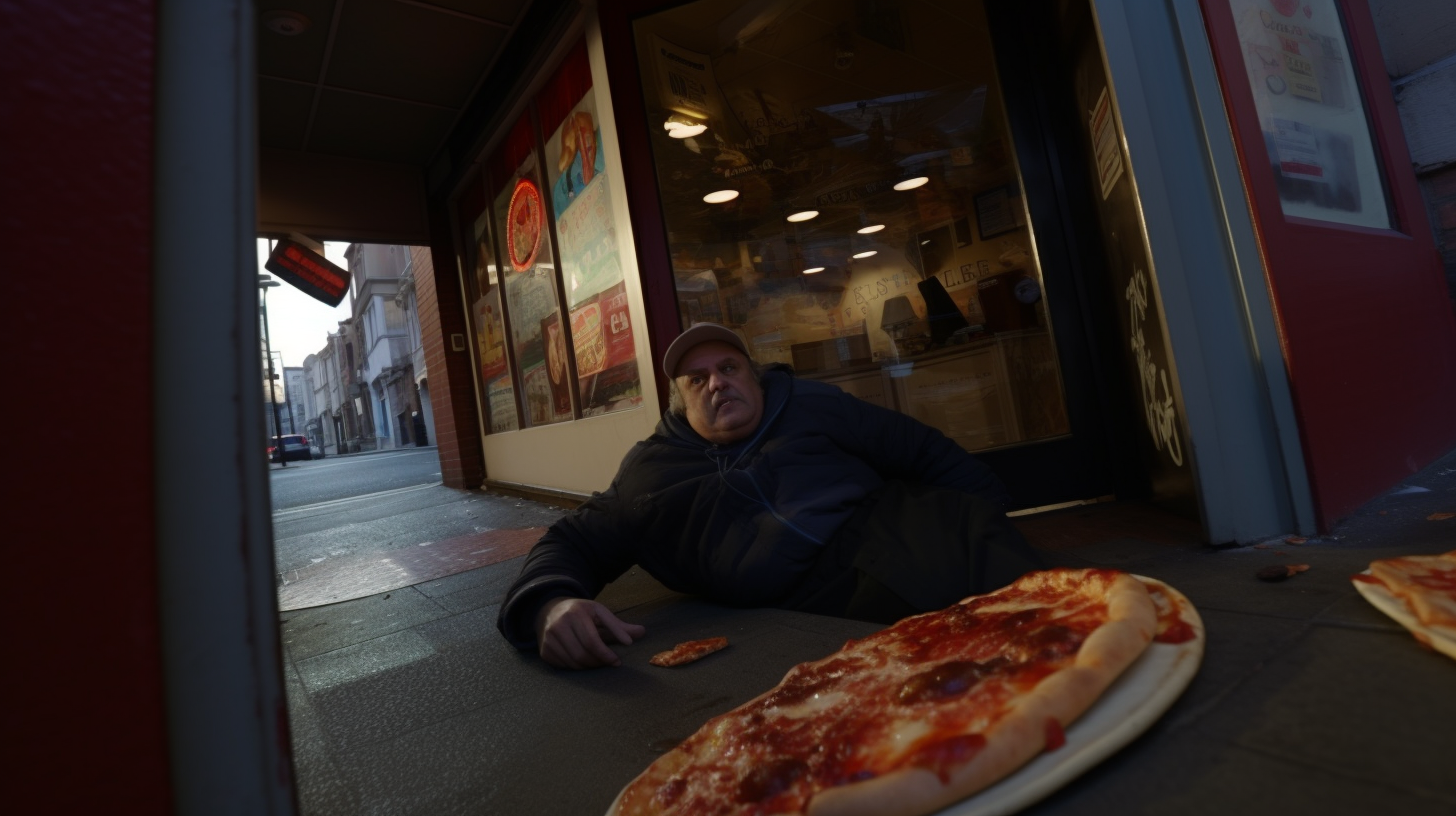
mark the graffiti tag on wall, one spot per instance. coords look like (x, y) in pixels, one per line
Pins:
(1158, 408)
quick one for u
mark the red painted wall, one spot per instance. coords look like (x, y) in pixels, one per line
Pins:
(85, 725)
(1365, 320)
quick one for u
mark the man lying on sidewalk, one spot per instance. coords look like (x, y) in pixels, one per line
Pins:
(761, 489)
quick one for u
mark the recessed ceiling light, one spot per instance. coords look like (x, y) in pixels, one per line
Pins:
(804, 216)
(686, 131)
(720, 196)
(871, 228)
(912, 183)
(811, 270)
(864, 254)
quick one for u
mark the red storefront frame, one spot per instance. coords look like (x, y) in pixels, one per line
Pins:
(1365, 321)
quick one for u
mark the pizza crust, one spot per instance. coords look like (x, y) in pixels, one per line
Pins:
(1021, 735)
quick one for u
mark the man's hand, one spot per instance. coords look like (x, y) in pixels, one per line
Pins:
(570, 633)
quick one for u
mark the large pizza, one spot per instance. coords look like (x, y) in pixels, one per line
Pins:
(925, 712)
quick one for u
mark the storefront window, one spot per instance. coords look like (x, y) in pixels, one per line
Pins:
(591, 266)
(538, 333)
(490, 334)
(537, 200)
(1316, 128)
(482, 286)
(838, 184)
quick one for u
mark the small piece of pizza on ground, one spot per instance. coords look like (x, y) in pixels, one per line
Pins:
(688, 652)
(1425, 584)
(921, 714)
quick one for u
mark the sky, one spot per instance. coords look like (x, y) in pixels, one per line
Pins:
(299, 324)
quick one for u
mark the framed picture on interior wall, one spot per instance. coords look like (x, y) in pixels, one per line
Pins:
(998, 210)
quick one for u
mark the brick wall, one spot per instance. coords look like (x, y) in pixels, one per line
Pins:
(452, 387)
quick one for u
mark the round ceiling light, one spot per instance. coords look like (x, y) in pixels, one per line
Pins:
(865, 254)
(720, 196)
(813, 269)
(685, 131)
(803, 216)
(912, 183)
(871, 228)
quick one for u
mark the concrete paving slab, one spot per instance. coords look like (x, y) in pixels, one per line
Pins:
(473, 589)
(354, 664)
(459, 674)
(355, 576)
(1299, 708)
(1236, 646)
(310, 632)
(1152, 778)
(320, 782)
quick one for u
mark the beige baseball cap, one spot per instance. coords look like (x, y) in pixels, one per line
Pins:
(697, 334)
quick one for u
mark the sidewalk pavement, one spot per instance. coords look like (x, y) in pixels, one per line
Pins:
(1307, 700)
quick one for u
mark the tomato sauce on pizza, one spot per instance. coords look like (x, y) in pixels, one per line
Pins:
(929, 710)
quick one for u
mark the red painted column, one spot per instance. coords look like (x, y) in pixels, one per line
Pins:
(86, 720)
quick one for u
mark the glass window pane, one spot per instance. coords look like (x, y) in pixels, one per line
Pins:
(1316, 128)
(490, 335)
(838, 183)
(538, 334)
(482, 288)
(585, 219)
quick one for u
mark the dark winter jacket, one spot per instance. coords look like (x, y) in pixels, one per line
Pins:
(738, 524)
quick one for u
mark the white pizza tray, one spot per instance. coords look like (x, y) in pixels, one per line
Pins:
(1129, 706)
(1381, 599)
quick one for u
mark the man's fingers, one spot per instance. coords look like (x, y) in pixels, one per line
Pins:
(594, 650)
(572, 634)
(621, 631)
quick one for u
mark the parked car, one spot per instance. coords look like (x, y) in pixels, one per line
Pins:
(293, 446)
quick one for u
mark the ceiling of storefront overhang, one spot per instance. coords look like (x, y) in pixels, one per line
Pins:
(368, 102)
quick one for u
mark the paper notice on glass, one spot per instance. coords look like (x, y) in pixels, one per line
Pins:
(1105, 144)
(586, 334)
(684, 78)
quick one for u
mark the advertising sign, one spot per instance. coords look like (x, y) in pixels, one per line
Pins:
(1315, 124)
(591, 267)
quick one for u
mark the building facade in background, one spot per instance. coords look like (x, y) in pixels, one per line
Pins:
(368, 386)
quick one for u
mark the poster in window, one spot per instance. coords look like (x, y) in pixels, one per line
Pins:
(586, 333)
(685, 79)
(591, 267)
(606, 354)
(490, 336)
(529, 273)
(501, 396)
(1316, 129)
(557, 370)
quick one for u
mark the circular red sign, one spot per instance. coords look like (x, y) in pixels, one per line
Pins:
(523, 225)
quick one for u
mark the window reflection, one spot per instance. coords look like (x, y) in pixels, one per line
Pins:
(838, 184)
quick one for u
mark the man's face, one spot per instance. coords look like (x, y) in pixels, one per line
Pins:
(723, 399)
